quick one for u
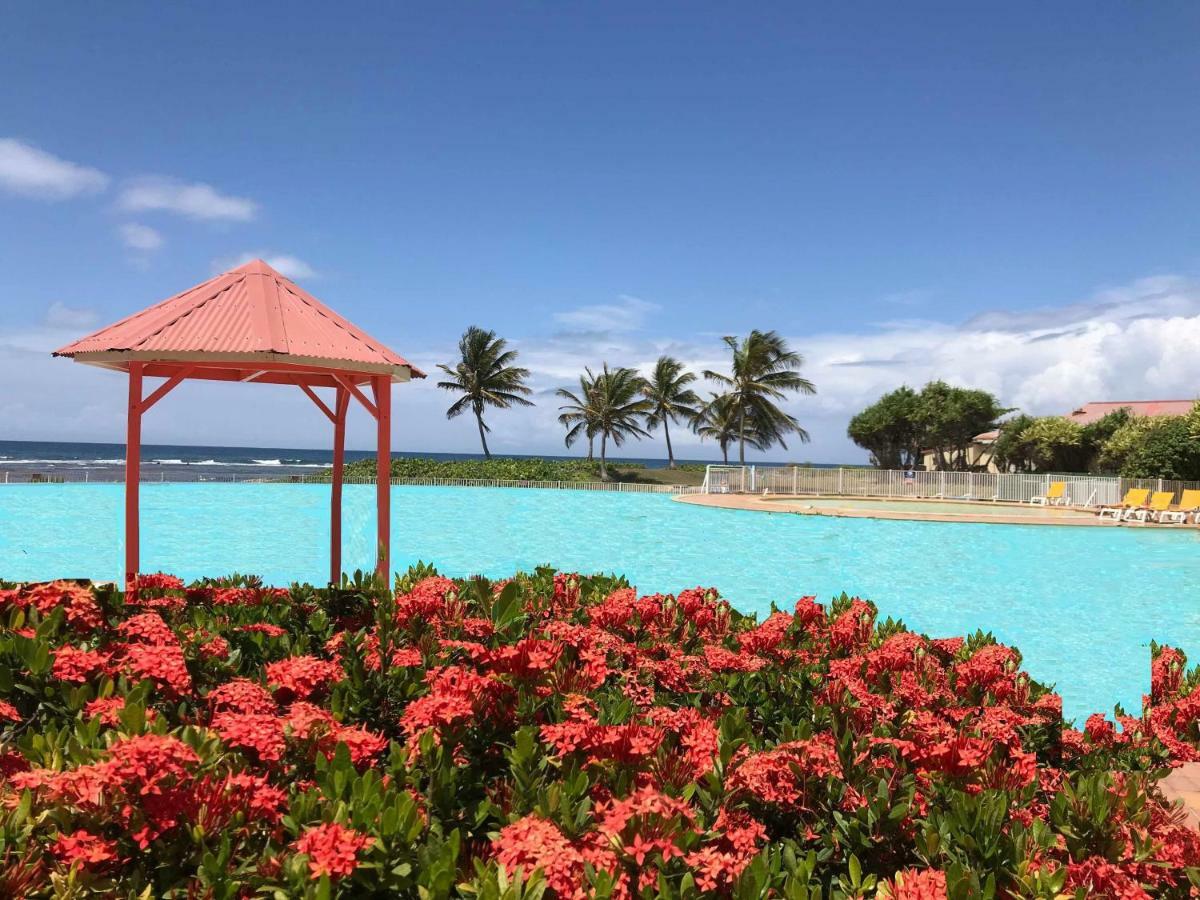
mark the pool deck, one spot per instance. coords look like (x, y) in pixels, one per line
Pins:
(1182, 787)
(796, 505)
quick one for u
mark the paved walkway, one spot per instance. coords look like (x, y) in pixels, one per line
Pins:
(991, 513)
(1183, 785)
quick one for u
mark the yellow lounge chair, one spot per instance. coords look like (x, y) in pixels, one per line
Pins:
(1189, 505)
(1056, 495)
(1134, 497)
(1159, 503)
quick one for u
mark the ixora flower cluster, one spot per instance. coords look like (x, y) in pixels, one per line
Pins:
(560, 736)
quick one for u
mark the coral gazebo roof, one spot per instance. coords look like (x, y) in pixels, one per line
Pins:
(248, 324)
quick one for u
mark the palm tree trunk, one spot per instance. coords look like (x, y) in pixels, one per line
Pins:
(591, 447)
(487, 454)
(670, 452)
(742, 436)
(725, 453)
(603, 456)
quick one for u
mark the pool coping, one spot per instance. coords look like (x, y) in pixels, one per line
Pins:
(791, 504)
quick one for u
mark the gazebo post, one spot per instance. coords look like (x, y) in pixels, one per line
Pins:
(133, 467)
(335, 508)
(382, 387)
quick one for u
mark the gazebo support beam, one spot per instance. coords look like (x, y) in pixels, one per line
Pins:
(133, 471)
(329, 414)
(335, 501)
(382, 388)
(372, 408)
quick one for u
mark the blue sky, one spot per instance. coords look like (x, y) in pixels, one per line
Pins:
(1005, 197)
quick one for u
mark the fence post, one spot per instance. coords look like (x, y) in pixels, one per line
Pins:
(795, 481)
(839, 481)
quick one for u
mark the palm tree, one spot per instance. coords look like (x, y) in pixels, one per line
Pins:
(577, 415)
(670, 398)
(718, 420)
(614, 409)
(485, 376)
(764, 371)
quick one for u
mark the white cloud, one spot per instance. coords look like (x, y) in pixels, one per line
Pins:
(196, 200)
(627, 314)
(1134, 342)
(288, 266)
(140, 237)
(24, 169)
(59, 315)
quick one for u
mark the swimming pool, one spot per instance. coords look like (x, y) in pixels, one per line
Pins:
(1081, 603)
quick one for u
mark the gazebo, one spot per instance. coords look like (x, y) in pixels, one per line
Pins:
(252, 324)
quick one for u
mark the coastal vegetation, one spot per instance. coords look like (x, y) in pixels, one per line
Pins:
(671, 399)
(503, 468)
(553, 735)
(615, 410)
(940, 418)
(618, 403)
(941, 422)
(763, 371)
(485, 375)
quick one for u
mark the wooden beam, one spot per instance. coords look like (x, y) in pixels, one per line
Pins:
(133, 459)
(359, 395)
(383, 477)
(163, 389)
(321, 403)
(341, 404)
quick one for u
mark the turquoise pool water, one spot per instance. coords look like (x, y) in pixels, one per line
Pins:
(1081, 603)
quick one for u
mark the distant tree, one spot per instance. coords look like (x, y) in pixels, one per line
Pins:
(1009, 452)
(1154, 447)
(1097, 434)
(718, 420)
(618, 409)
(900, 427)
(485, 376)
(578, 414)
(1055, 444)
(670, 398)
(950, 417)
(763, 371)
(888, 429)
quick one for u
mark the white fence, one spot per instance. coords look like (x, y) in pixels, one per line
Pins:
(1082, 490)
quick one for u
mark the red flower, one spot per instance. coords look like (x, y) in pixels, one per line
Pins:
(77, 665)
(271, 631)
(164, 664)
(532, 843)
(147, 628)
(243, 696)
(302, 677)
(77, 601)
(261, 734)
(159, 581)
(915, 884)
(84, 848)
(332, 849)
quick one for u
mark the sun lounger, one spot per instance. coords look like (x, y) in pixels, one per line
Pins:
(1133, 499)
(1158, 504)
(1189, 505)
(1056, 495)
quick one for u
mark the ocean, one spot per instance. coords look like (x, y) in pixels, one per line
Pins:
(106, 462)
